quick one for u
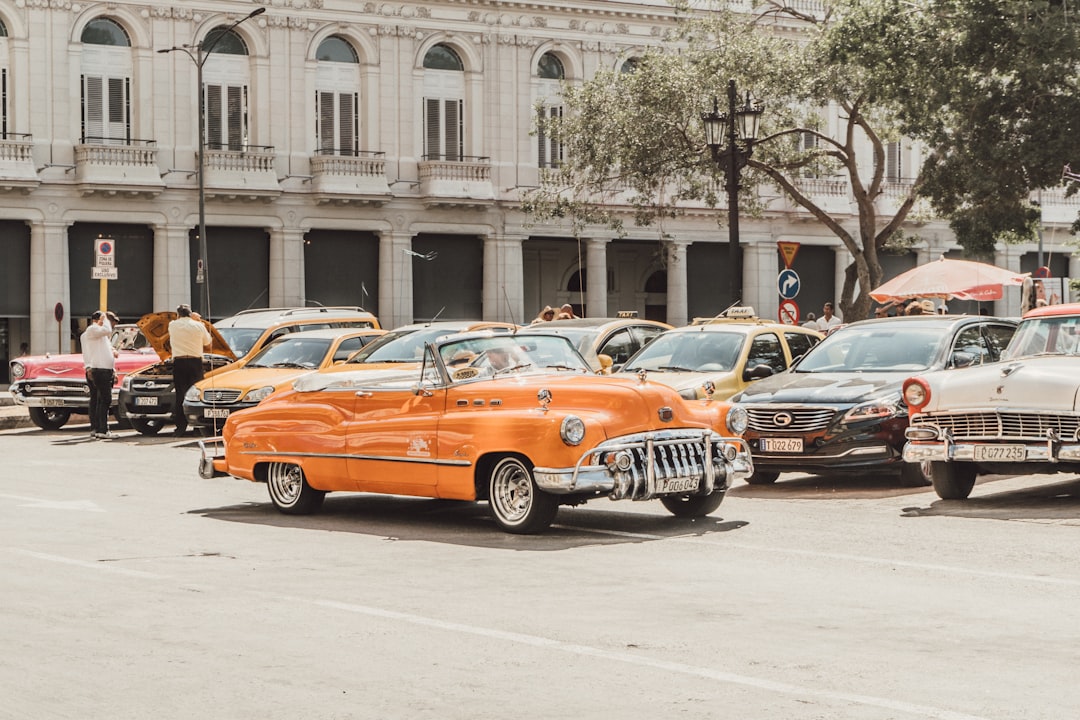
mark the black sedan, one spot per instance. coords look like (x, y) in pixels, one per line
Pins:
(839, 409)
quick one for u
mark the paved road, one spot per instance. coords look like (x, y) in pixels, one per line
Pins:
(134, 589)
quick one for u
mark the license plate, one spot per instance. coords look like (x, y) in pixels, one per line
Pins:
(52, 402)
(785, 445)
(216, 413)
(1000, 453)
(146, 400)
(677, 485)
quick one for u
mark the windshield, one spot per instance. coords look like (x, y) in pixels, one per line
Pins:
(471, 358)
(291, 353)
(1045, 336)
(875, 349)
(128, 338)
(400, 346)
(689, 352)
(240, 339)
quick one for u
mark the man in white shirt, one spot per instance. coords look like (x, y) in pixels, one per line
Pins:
(100, 363)
(828, 321)
(188, 338)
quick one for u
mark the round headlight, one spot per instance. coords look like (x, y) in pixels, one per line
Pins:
(915, 393)
(259, 394)
(125, 384)
(572, 430)
(737, 419)
(17, 370)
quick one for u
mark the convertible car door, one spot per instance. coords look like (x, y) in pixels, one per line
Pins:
(391, 439)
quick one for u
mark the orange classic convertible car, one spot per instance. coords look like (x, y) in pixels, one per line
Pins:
(518, 420)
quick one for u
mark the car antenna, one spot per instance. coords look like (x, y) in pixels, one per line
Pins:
(724, 312)
(437, 315)
(509, 309)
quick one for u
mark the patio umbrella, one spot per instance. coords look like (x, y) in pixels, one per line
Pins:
(948, 279)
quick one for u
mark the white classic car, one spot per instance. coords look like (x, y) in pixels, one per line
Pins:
(1019, 416)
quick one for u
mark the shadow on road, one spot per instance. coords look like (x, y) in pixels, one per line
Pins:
(404, 519)
(828, 487)
(1052, 500)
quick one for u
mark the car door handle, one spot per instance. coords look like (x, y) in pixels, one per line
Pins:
(364, 394)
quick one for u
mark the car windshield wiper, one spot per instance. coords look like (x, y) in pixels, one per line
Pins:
(674, 368)
(511, 369)
(304, 366)
(563, 367)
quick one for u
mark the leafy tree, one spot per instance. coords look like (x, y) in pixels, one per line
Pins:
(639, 137)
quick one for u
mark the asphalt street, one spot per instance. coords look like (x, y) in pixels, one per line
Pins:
(134, 589)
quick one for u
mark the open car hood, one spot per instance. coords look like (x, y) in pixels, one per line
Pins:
(155, 326)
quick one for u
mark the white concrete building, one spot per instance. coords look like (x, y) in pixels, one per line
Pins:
(356, 153)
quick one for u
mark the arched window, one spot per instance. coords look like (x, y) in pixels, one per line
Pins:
(3, 29)
(337, 98)
(550, 68)
(103, 31)
(549, 74)
(441, 57)
(578, 282)
(225, 89)
(657, 282)
(106, 83)
(630, 65)
(444, 104)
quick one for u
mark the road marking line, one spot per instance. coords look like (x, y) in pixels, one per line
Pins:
(90, 564)
(884, 562)
(675, 667)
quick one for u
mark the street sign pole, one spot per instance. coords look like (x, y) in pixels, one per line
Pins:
(104, 269)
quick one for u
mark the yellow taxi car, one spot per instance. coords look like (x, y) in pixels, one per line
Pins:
(515, 419)
(218, 395)
(718, 357)
(605, 341)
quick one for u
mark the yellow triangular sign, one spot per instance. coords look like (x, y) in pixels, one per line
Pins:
(788, 249)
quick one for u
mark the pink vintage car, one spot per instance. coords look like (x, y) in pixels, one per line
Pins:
(53, 387)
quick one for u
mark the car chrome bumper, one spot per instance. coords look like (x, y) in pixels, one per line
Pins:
(212, 457)
(655, 459)
(942, 451)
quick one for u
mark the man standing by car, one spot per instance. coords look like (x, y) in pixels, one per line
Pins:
(188, 338)
(100, 363)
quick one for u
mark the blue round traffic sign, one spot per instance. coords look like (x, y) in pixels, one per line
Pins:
(787, 283)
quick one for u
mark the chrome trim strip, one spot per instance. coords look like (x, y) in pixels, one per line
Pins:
(965, 452)
(425, 461)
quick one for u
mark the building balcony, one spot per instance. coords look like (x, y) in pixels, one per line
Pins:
(1057, 208)
(17, 171)
(463, 180)
(108, 166)
(357, 177)
(246, 172)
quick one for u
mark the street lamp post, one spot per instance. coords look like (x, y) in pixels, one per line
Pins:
(738, 128)
(201, 53)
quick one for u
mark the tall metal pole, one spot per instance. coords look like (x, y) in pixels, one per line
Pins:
(733, 200)
(202, 267)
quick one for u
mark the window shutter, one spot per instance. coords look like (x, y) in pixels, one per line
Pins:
(236, 117)
(116, 130)
(213, 116)
(541, 139)
(347, 105)
(432, 123)
(4, 100)
(453, 130)
(893, 171)
(326, 123)
(93, 111)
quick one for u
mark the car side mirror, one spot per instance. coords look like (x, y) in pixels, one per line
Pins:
(757, 372)
(962, 359)
(422, 390)
(607, 365)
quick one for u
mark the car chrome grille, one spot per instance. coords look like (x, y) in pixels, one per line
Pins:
(685, 459)
(220, 396)
(801, 420)
(1028, 426)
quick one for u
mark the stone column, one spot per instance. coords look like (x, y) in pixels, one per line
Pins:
(596, 288)
(395, 279)
(172, 267)
(677, 306)
(1008, 257)
(286, 267)
(760, 268)
(503, 293)
(49, 284)
(842, 260)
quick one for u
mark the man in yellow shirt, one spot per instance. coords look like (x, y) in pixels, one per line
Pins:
(188, 338)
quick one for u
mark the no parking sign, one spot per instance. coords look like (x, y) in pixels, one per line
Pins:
(789, 312)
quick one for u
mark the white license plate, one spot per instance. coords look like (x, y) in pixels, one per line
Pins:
(52, 402)
(1000, 453)
(146, 400)
(215, 412)
(785, 445)
(677, 485)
